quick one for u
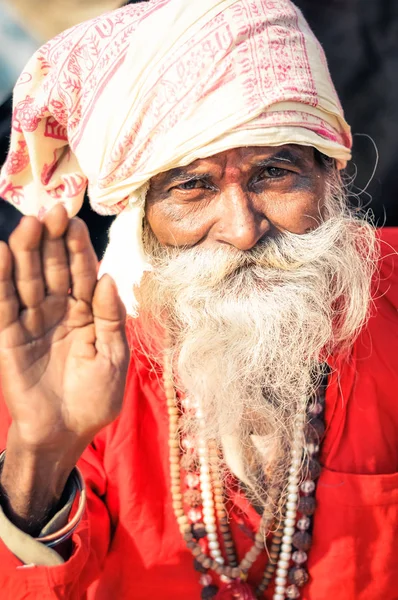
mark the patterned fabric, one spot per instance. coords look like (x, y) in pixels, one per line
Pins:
(155, 85)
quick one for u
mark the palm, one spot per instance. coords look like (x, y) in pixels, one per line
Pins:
(63, 353)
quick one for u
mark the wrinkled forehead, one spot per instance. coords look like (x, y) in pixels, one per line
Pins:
(243, 159)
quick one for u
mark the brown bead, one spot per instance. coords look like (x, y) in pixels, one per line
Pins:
(302, 540)
(245, 564)
(198, 566)
(193, 498)
(235, 572)
(252, 554)
(185, 529)
(207, 562)
(182, 520)
(298, 576)
(228, 571)
(313, 469)
(307, 505)
(208, 592)
(314, 430)
(198, 531)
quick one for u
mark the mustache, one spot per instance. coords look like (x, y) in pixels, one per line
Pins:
(284, 252)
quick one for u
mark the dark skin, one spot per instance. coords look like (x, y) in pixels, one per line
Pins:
(237, 197)
(63, 351)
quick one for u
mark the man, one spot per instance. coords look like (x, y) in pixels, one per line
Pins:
(219, 142)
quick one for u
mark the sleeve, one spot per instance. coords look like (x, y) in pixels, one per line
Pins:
(68, 579)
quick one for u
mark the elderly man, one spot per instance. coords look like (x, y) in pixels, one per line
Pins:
(249, 448)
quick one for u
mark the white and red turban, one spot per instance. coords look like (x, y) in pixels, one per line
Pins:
(151, 86)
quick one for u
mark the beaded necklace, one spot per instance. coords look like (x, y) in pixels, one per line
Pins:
(206, 516)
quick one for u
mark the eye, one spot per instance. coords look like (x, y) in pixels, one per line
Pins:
(194, 184)
(272, 173)
(190, 185)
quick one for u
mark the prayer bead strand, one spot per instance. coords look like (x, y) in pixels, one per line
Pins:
(221, 512)
(290, 542)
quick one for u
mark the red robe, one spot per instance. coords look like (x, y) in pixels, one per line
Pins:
(128, 546)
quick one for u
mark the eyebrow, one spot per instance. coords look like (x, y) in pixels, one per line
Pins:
(183, 173)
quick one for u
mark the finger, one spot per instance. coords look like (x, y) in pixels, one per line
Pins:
(9, 302)
(25, 245)
(82, 261)
(109, 321)
(55, 262)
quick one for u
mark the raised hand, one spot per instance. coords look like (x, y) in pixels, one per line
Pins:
(63, 351)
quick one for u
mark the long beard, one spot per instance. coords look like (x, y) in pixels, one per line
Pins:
(250, 330)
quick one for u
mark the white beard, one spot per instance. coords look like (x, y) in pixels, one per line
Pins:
(250, 330)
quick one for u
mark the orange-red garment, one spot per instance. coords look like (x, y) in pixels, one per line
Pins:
(128, 546)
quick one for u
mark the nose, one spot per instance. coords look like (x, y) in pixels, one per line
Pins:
(240, 223)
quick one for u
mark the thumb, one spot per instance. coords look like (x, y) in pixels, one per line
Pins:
(109, 319)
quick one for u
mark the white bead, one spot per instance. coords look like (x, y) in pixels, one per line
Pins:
(287, 539)
(209, 519)
(286, 547)
(283, 563)
(208, 510)
(281, 572)
(211, 528)
(202, 451)
(279, 597)
(291, 514)
(207, 502)
(279, 589)
(290, 505)
(214, 545)
(285, 555)
(219, 559)
(289, 531)
(292, 497)
(290, 522)
(280, 580)
(292, 488)
(212, 537)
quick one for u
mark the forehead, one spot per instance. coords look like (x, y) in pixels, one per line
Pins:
(243, 158)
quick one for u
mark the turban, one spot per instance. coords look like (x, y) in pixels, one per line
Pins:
(113, 101)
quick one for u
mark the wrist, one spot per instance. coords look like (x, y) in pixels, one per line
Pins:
(32, 481)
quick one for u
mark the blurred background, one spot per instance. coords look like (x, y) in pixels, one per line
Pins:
(360, 38)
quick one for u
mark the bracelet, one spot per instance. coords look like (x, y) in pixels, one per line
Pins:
(65, 532)
(53, 539)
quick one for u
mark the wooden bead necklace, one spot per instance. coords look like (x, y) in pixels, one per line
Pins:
(207, 517)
